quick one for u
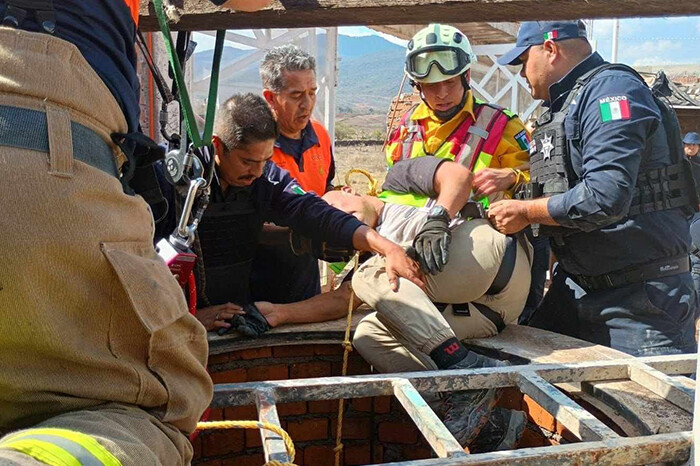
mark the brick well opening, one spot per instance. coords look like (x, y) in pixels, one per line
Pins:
(375, 430)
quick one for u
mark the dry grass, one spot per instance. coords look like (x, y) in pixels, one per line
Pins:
(364, 123)
(366, 157)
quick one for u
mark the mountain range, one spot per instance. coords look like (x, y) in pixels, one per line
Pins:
(370, 69)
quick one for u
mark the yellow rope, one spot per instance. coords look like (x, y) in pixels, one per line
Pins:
(347, 346)
(255, 425)
(372, 190)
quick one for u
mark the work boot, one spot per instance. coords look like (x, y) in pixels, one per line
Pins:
(465, 413)
(502, 431)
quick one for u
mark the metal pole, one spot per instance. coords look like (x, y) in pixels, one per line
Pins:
(615, 34)
(695, 451)
(331, 80)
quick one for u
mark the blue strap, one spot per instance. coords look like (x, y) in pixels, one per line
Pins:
(27, 129)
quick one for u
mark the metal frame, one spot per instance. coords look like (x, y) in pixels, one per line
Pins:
(600, 444)
(326, 73)
(515, 85)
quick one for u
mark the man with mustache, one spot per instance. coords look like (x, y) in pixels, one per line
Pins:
(304, 149)
(608, 190)
(248, 189)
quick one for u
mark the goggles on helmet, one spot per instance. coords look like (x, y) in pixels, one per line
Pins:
(449, 60)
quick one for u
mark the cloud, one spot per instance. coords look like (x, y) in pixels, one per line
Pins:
(656, 60)
(393, 39)
(362, 31)
(355, 31)
(652, 52)
(662, 46)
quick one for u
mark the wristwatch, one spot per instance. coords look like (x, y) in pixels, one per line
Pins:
(439, 211)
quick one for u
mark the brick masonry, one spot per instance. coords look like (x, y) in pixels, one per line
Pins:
(375, 430)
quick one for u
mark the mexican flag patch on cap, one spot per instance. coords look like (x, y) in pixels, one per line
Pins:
(550, 35)
(614, 108)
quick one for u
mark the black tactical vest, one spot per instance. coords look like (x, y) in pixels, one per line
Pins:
(550, 164)
(229, 234)
(551, 171)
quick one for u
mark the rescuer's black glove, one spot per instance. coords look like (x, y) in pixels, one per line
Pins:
(251, 325)
(432, 243)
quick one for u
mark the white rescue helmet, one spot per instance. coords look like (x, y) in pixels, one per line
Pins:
(437, 53)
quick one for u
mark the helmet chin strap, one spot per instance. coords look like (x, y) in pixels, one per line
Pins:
(447, 115)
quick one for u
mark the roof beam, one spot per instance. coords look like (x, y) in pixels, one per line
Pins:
(203, 15)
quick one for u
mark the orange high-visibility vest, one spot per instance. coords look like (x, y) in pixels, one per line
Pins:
(316, 162)
(134, 7)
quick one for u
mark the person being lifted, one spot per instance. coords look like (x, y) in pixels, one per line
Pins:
(482, 288)
(450, 123)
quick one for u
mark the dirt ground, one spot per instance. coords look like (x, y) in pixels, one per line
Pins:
(366, 157)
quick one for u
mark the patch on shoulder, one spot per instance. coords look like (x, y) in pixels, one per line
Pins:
(523, 139)
(614, 108)
(296, 189)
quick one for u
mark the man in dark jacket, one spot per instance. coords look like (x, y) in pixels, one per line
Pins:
(249, 189)
(623, 277)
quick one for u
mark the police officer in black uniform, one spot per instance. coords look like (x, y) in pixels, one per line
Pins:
(249, 189)
(609, 189)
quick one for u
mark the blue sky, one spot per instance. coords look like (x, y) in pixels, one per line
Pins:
(642, 41)
(646, 41)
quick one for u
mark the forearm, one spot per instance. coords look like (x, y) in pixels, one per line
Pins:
(536, 211)
(398, 264)
(453, 184)
(592, 204)
(367, 239)
(321, 308)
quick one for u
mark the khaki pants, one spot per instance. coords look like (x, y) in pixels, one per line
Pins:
(407, 326)
(89, 314)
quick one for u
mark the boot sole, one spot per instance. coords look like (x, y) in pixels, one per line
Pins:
(516, 427)
(497, 392)
(494, 394)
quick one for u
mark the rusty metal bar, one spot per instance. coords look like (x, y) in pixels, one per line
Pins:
(273, 445)
(432, 428)
(333, 388)
(663, 385)
(623, 451)
(579, 421)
